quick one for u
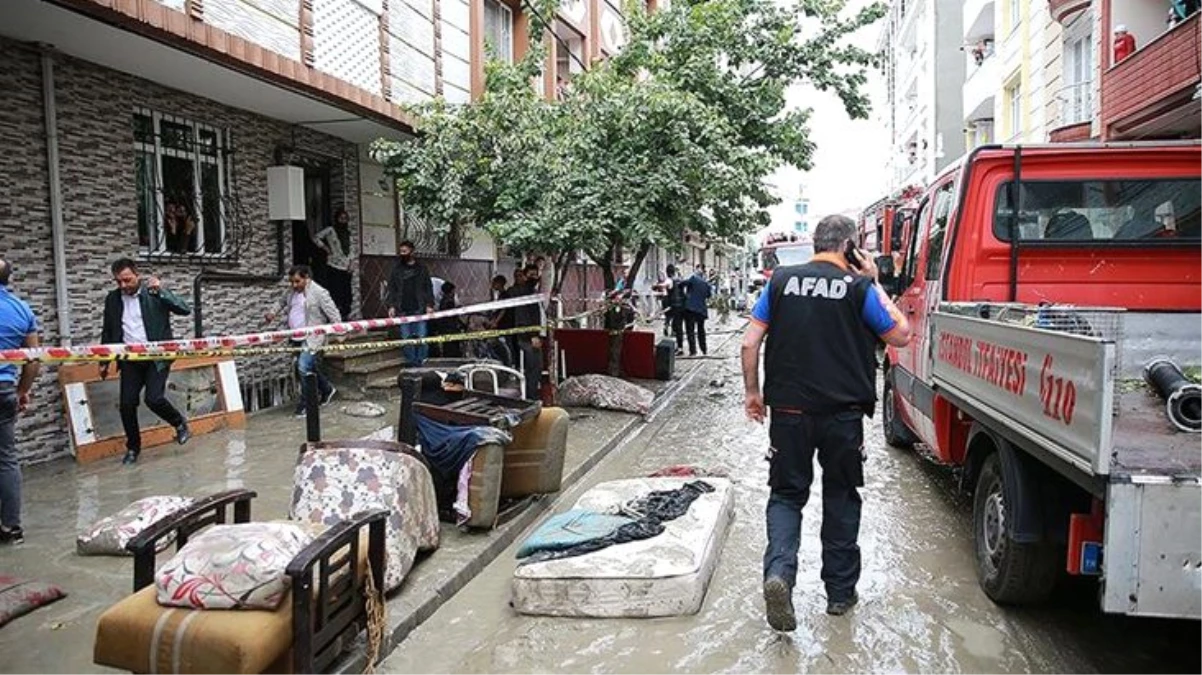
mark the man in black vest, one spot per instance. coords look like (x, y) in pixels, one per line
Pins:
(821, 320)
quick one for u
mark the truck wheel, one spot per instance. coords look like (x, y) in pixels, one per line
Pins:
(896, 433)
(1009, 572)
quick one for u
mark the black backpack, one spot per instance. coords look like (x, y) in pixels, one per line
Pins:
(676, 294)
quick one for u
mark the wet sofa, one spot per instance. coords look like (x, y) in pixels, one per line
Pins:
(323, 612)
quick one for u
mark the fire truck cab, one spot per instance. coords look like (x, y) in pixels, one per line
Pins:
(884, 226)
(1039, 282)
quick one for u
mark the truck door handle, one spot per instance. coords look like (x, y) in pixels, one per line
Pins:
(911, 311)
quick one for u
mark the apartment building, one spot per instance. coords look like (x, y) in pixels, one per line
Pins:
(1013, 90)
(924, 71)
(145, 128)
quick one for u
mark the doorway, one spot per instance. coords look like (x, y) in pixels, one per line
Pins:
(318, 213)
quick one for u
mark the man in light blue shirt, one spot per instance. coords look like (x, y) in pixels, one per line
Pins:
(18, 328)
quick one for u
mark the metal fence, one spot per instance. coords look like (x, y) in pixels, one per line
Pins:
(1076, 103)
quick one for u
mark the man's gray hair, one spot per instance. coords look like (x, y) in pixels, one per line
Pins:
(832, 232)
(6, 272)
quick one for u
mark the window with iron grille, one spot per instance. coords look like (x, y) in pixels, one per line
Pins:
(182, 170)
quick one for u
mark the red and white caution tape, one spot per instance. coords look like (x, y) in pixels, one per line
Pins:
(207, 344)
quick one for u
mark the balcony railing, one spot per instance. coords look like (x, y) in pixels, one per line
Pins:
(1076, 103)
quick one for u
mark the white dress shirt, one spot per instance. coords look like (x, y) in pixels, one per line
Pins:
(133, 330)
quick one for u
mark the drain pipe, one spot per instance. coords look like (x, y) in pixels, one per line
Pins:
(57, 232)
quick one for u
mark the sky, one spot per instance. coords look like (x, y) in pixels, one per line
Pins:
(849, 162)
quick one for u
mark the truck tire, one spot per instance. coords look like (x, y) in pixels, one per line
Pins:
(896, 433)
(1010, 573)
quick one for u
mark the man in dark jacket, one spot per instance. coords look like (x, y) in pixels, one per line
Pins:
(674, 300)
(410, 293)
(697, 292)
(139, 311)
(529, 344)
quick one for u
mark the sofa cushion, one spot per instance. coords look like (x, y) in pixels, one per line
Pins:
(237, 566)
(21, 596)
(333, 484)
(139, 635)
(108, 536)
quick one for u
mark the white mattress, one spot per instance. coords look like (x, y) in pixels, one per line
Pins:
(666, 575)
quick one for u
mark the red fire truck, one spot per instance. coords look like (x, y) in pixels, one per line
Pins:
(779, 250)
(883, 225)
(1055, 295)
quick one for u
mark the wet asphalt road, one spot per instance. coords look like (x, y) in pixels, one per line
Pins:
(921, 609)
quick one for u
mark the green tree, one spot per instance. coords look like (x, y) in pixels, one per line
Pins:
(675, 134)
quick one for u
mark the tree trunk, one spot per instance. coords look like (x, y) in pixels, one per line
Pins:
(613, 315)
(561, 263)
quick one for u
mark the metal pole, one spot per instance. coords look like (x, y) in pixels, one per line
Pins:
(57, 232)
(312, 408)
(410, 386)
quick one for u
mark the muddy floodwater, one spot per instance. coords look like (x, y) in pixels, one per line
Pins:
(921, 609)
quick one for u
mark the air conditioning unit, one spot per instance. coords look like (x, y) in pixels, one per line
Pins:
(285, 193)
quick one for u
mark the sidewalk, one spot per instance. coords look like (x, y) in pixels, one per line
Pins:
(62, 498)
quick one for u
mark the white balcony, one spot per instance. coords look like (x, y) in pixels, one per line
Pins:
(1075, 104)
(978, 20)
(980, 88)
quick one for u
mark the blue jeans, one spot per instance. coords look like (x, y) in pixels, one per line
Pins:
(10, 469)
(838, 439)
(415, 355)
(306, 363)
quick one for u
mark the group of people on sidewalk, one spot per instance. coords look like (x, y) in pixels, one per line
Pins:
(686, 309)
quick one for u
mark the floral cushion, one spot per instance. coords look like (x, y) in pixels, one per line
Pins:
(108, 536)
(21, 596)
(333, 484)
(232, 567)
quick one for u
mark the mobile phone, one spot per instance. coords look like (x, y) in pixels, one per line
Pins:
(849, 253)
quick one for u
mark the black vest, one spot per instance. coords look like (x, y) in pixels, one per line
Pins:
(821, 357)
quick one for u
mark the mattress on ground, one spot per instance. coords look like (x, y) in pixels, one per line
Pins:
(666, 575)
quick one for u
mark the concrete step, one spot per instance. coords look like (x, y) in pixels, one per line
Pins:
(366, 366)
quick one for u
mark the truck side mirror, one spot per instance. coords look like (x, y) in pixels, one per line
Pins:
(888, 274)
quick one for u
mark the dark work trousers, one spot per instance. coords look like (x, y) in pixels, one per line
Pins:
(839, 440)
(675, 319)
(695, 324)
(136, 376)
(338, 283)
(310, 362)
(532, 358)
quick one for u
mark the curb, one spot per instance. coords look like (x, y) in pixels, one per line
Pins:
(356, 662)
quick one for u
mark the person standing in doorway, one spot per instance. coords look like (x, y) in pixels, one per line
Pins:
(697, 293)
(18, 328)
(336, 242)
(138, 311)
(410, 293)
(821, 320)
(308, 304)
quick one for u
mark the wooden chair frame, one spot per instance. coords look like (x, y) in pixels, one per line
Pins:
(329, 605)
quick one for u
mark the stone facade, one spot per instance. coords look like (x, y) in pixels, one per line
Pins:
(95, 107)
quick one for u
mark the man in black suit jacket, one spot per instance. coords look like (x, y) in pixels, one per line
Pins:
(139, 311)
